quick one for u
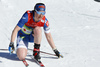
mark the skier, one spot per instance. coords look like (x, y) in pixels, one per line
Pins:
(28, 29)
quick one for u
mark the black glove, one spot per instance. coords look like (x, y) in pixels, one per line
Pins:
(11, 47)
(57, 53)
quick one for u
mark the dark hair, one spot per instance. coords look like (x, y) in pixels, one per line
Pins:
(38, 4)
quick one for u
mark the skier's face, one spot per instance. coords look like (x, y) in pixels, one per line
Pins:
(39, 15)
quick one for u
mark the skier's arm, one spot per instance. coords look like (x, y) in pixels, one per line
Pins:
(13, 36)
(20, 24)
(48, 34)
(50, 40)
(14, 33)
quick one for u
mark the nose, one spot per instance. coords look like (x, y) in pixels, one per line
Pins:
(41, 15)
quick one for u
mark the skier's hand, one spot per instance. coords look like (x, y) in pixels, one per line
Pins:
(11, 47)
(57, 53)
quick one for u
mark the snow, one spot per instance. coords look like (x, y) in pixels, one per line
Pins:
(75, 27)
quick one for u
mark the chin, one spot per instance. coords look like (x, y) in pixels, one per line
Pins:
(40, 18)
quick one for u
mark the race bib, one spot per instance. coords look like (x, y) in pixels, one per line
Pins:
(26, 30)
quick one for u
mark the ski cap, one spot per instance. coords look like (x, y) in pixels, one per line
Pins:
(40, 7)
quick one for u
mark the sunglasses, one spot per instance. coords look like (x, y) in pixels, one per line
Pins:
(43, 13)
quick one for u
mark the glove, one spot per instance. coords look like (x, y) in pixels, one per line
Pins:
(57, 53)
(11, 47)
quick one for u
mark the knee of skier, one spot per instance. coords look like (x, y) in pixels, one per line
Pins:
(21, 53)
(37, 31)
(21, 58)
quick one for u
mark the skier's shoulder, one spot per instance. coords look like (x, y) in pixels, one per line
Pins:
(29, 11)
(46, 20)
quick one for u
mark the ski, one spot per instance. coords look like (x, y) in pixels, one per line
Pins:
(25, 63)
(38, 62)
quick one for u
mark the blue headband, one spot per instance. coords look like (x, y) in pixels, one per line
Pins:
(40, 7)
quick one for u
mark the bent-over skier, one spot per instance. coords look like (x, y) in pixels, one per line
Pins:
(28, 29)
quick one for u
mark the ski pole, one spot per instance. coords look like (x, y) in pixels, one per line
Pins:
(44, 52)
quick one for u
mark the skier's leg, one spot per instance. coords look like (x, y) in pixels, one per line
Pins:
(37, 40)
(21, 53)
(21, 48)
(37, 35)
